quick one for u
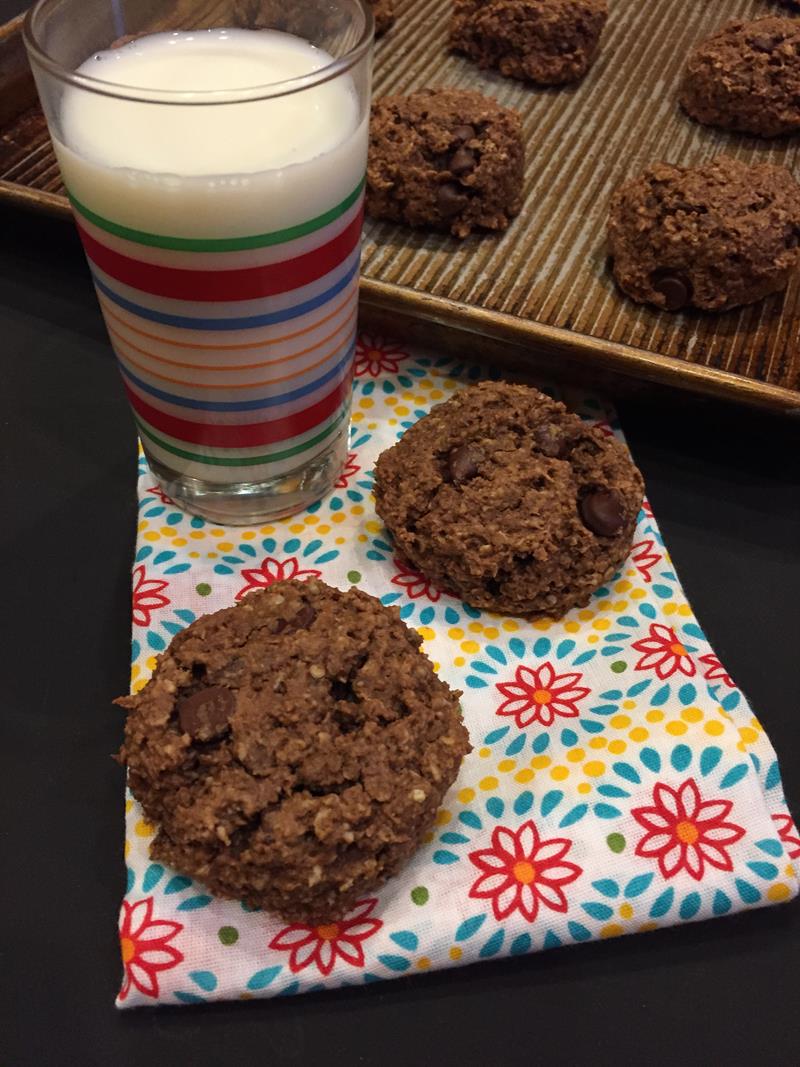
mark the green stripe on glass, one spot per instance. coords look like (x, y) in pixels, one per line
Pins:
(242, 461)
(218, 244)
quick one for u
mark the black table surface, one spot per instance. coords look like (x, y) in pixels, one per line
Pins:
(725, 485)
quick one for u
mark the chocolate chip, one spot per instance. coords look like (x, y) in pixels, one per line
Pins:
(792, 236)
(551, 441)
(462, 161)
(464, 133)
(205, 714)
(674, 287)
(463, 462)
(601, 511)
(304, 617)
(764, 43)
(450, 200)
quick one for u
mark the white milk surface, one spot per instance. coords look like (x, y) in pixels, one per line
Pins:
(212, 170)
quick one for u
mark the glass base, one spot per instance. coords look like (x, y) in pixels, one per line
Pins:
(254, 503)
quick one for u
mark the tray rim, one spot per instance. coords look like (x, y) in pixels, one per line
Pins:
(555, 342)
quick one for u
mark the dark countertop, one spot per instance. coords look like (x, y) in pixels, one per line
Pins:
(725, 485)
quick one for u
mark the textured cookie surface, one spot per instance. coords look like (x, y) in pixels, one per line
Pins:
(714, 236)
(294, 749)
(746, 77)
(445, 158)
(312, 22)
(548, 42)
(504, 498)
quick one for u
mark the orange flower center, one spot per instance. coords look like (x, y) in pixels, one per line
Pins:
(128, 949)
(542, 696)
(524, 872)
(329, 932)
(374, 355)
(678, 649)
(687, 832)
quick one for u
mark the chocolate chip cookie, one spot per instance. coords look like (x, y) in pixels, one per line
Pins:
(445, 158)
(715, 236)
(293, 750)
(548, 42)
(746, 77)
(313, 22)
(506, 499)
(383, 13)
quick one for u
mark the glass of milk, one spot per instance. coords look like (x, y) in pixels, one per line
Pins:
(214, 154)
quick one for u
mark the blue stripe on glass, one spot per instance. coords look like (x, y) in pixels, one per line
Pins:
(240, 405)
(247, 322)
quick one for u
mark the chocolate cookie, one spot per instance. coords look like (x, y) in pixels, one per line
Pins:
(293, 750)
(313, 22)
(503, 497)
(746, 77)
(548, 42)
(445, 158)
(714, 236)
(383, 13)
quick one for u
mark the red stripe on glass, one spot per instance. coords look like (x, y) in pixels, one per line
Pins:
(250, 283)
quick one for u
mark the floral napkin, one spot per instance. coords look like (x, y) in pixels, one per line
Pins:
(619, 780)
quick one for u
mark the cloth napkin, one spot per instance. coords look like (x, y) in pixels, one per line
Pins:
(619, 780)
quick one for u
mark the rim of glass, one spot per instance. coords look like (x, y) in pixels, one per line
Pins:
(190, 97)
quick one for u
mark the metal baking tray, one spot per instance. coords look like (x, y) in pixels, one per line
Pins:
(541, 295)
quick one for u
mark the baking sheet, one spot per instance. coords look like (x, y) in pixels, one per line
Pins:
(544, 285)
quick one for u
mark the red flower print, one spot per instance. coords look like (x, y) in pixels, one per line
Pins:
(162, 496)
(144, 943)
(271, 571)
(521, 871)
(350, 469)
(374, 355)
(320, 946)
(715, 672)
(416, 585)
(540, 695)
(684, 832)
(647, 509)
(664, 652)
(644, 558)
(787, 832)
(147, 596)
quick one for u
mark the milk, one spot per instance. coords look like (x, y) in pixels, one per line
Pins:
(224, 241)
(213, 170)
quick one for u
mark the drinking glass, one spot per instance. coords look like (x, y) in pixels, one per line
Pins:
(221, 220)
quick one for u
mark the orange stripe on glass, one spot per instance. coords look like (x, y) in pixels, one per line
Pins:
(231, 366)
(110, 313)
(226, 385)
